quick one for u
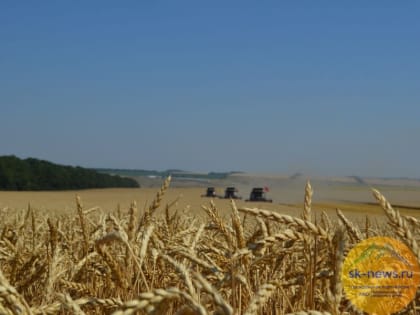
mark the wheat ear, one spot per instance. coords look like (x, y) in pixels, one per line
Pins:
(307, 202)
(287, 219)
(398, 222)
(351, 229)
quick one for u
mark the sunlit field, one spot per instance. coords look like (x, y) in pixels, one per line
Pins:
(171, 251)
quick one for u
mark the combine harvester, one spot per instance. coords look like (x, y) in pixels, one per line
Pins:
(231, 193)
(210, 192)
(258, 194)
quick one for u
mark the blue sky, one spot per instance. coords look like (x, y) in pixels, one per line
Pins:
(325, 87)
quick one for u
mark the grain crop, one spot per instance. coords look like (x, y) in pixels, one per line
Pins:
(161, 260)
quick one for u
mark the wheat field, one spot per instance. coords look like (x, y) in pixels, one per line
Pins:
(168, 256)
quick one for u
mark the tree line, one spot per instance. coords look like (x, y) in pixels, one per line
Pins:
(35, 174)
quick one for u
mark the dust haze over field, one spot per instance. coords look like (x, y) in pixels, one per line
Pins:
(287, 189)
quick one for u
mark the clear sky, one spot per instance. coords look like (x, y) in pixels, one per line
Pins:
(322, 87)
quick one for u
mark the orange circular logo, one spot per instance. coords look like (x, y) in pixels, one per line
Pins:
(380, 275)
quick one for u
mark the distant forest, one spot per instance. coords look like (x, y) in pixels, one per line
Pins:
(35, 174)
